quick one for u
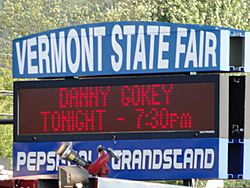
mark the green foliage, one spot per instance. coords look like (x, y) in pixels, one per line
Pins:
(6, 138)
(6, 106)
(23, 17)
(226, 13)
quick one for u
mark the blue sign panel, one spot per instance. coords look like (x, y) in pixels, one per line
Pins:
(121, 48)
(246, 157)
(141, 159)
(247, 52)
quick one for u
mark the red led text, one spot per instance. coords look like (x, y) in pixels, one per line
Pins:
(80, 97)
(124, 108)
(73, 121)
(145, 95)
(163, 119)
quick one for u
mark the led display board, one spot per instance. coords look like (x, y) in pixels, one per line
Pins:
(127, 107)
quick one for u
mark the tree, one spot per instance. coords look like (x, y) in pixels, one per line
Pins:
(226, 13)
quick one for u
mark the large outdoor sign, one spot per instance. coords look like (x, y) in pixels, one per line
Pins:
(121, 48)
(111, 86)
(141, 159)
(99, 108)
